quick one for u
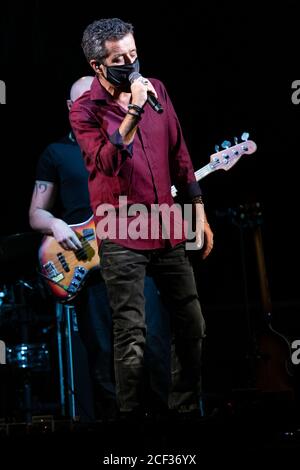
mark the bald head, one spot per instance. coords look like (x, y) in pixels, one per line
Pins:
(80, 87)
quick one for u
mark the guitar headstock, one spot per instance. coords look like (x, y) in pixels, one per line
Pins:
(229, 156)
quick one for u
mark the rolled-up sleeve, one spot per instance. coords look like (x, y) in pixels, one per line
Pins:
(101, 151)
(193, 189)
(117, 140)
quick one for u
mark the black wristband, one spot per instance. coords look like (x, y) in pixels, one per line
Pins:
(138, 116)
(197, 200)
(136, 108)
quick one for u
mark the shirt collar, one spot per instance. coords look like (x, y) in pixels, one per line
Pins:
(98, 92)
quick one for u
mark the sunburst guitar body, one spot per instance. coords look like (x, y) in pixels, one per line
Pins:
(66, 271)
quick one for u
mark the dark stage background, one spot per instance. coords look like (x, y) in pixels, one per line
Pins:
(228, 69)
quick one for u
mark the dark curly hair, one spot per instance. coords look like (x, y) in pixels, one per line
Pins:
(96, 33)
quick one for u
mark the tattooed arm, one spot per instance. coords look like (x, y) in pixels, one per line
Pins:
(41, 218)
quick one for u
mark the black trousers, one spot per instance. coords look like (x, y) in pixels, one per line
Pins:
(124, 273)
(95, 328)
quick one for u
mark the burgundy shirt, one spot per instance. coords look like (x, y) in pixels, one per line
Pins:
(143, 171)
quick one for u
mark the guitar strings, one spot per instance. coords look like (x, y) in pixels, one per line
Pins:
(199, 174)
(203, 171)
(72, 258)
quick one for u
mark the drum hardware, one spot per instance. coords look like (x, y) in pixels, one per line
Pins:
(29, 356)
(23, 356)
(26, 349)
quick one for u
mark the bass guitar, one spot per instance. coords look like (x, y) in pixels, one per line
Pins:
(273, 369)
(66, 271)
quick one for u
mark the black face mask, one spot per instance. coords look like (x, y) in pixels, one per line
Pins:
(118, 75)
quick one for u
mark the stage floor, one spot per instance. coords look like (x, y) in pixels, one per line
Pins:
(243, 438)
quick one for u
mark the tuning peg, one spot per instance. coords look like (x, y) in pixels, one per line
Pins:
(236, 140)
(226, 144)
(245, 136)
(217, 148)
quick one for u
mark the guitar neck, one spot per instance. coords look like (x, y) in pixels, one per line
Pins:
(204, 171)
(262, 271)
(224, 159)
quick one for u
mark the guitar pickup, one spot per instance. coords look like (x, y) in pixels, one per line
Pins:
(81, 255)
(88, 234)
(85, 253)
(63, 262)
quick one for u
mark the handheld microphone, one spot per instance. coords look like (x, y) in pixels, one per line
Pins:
(151, 99)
